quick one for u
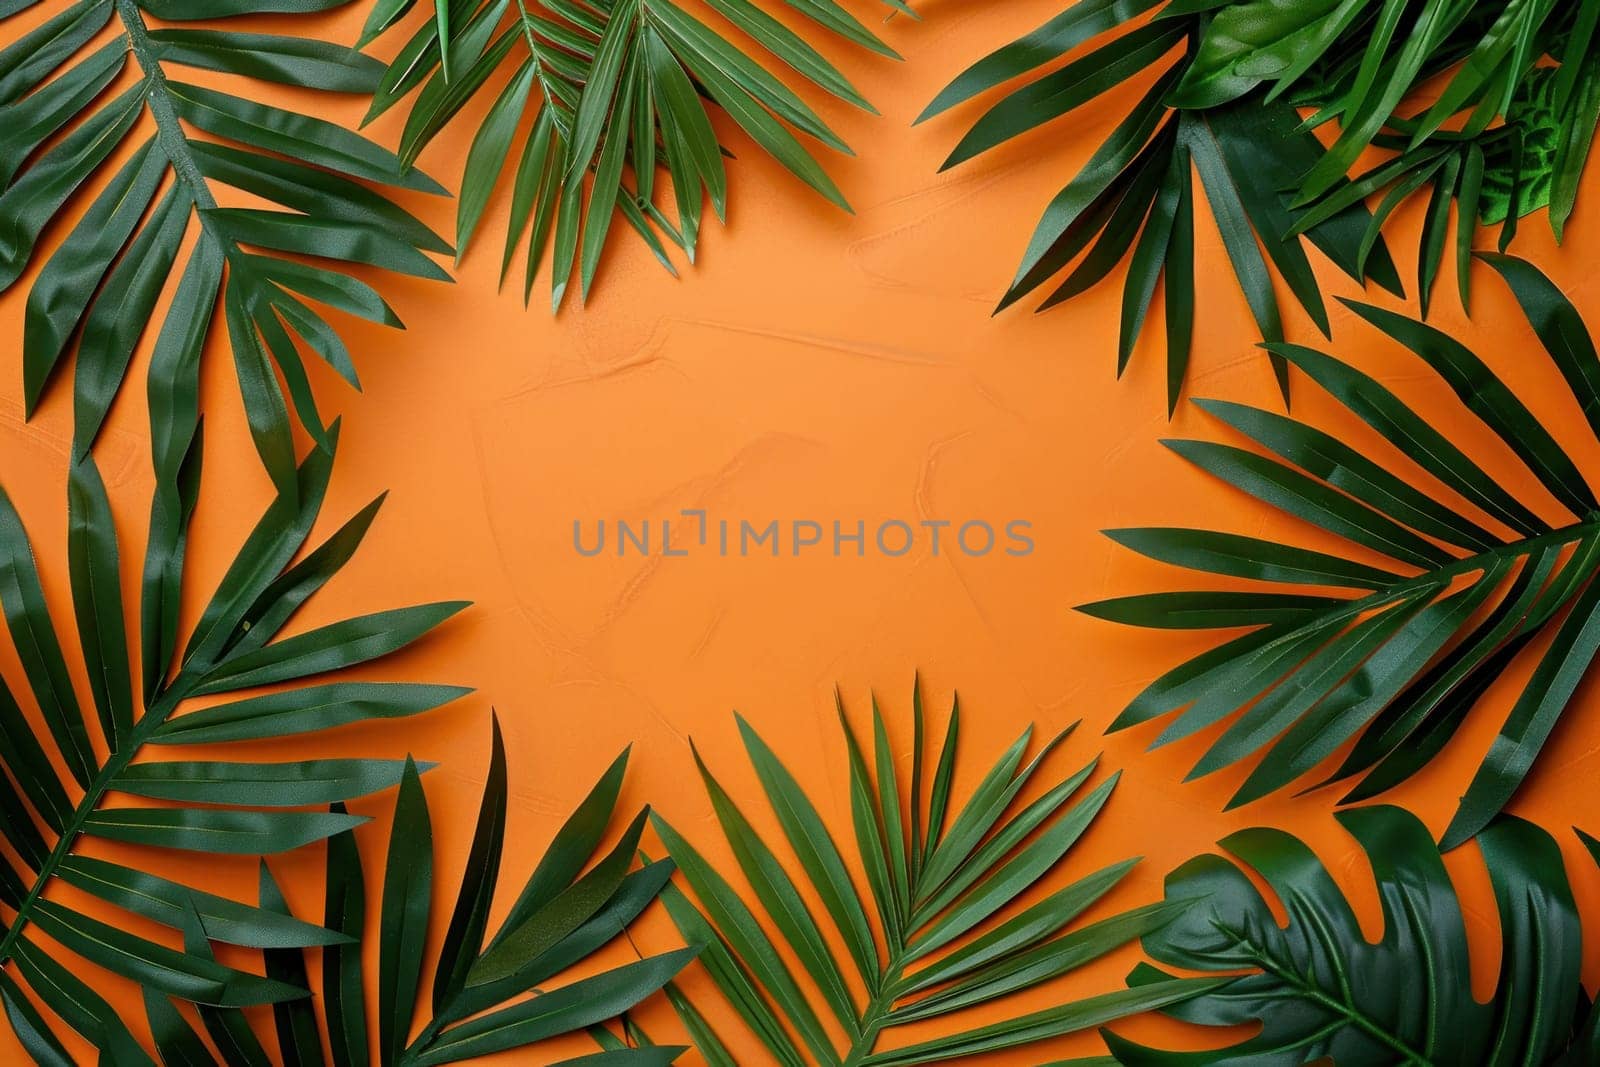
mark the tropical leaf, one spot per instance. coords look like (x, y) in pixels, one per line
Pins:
(1531, 159)
(1132, 200)
(579, 898)
(1321, 991)
(94, 76)
(944, 884)
(1435, 85)
(1391, 656)
(602, 89)
(1227, 83)
(130, 743)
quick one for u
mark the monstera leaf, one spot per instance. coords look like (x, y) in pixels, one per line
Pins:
(608, 87)
(120, 84)
(1393, 655)
(1321, 991)
(163, 800)
(563, 915)
(936, 875)
(1227, 84)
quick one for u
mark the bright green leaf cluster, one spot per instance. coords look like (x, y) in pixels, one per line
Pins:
(943, 883)
(1228, 83)
(605, 95)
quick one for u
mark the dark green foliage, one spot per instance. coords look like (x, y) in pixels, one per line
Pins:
(131, 742)
(1391, 656)
(99, 287)
(1234, 90)
(1320, 989)
(579, 898)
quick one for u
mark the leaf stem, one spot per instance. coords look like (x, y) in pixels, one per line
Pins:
(169, 130)
(1476, 562)
(115, 764)
(1359, 1019)
(540, 66)
(416, 1048)
(878, 1009)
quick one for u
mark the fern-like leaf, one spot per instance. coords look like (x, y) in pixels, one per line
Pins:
(1395, 655)
(609, 94)
(130, 743)
(1227, 84)
(101, 80)
(943, 885)
(578, 899)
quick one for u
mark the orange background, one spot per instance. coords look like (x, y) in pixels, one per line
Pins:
(817, 365)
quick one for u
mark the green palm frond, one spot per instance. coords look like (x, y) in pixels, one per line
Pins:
(634, 1047)
(131, 747)
(1521, 144)
(1392, 656)
(1233, 92)
(100, 74)
(606, 93)
(577, 900)
(1133, 199)
(1321, 991)
(938, 875)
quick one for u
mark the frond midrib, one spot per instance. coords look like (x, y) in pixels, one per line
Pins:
(1285, 971)
(880, 1004)
(169, 130)
(152, 720)
(540, 65)
(174, 144)
(1464, 565)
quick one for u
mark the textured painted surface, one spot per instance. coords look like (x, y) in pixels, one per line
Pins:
(818, 366)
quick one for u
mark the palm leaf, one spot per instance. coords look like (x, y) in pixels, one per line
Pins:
(1365, 66)
(1391, 656)
(130, 743)
(72, 102)
(1321, 991)
(936, 874)
(1227, 85)
(1532, 158)
(564, 914)
(606, 88)
(1130, 198)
